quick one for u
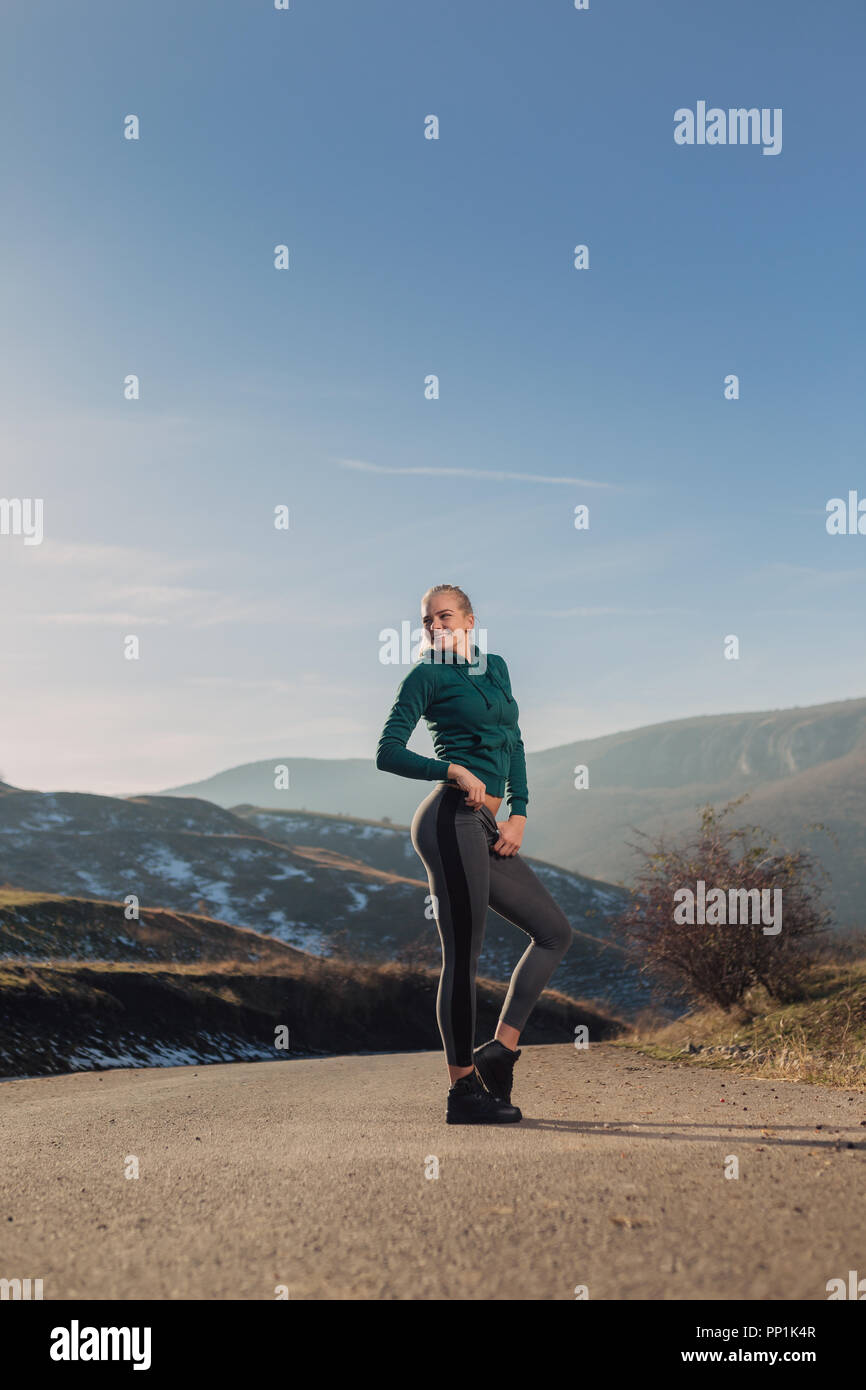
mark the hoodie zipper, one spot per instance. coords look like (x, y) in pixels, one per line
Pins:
(479, 688)
(461, 667)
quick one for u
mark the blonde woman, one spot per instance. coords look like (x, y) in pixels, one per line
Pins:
(472, 861)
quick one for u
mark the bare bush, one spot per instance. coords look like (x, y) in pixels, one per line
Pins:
(718, 962)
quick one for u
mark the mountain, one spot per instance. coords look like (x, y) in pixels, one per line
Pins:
(800, 767)
(325, 884)
(83, 988)
(48, 927)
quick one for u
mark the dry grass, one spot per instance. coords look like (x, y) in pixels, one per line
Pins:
(49, 1010)
(819, 1038)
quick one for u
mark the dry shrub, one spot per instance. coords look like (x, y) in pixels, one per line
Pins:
(718, 963)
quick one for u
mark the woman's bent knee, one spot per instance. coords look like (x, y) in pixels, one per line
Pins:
(560, 936)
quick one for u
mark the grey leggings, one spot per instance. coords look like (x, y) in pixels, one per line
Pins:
(455, 844)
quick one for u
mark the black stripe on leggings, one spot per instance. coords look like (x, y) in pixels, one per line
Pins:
(460, 910)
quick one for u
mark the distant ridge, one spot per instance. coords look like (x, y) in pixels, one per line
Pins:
(800, 766)
(326, 885)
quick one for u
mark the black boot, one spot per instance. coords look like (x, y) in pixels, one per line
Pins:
(495, 1064)
(469, 1104)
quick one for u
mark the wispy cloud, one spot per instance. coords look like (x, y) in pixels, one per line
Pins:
(495, 475)
(85, 557)
(269, 685)
(82, 584)
(189, 608)
(608, 612)
(811, 577)
(107, 618)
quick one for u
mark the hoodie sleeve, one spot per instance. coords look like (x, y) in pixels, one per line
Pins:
(516, 790)
(413, 696)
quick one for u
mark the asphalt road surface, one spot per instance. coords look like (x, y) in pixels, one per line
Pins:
(313, 1176)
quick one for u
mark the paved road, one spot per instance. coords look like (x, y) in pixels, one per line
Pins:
(311, 1174)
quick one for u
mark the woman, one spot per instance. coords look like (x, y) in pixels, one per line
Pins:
(472, 862)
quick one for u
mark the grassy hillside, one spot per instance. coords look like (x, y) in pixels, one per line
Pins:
(801, 766)
(821, 1037)
(43, 926)
(319, 883)
(67, 1016)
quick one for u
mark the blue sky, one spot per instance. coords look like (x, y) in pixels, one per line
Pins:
(409, 256)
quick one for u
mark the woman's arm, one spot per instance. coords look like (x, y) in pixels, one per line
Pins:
(392, 755)
(516, 789)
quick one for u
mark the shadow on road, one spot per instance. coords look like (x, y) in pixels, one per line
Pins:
(632, 1129)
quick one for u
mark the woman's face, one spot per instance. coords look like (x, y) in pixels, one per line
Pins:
(445, 623)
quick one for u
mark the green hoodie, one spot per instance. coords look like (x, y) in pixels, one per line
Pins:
(472, 717)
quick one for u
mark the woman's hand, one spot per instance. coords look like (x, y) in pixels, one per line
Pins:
(510, 836)
(468, 783)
